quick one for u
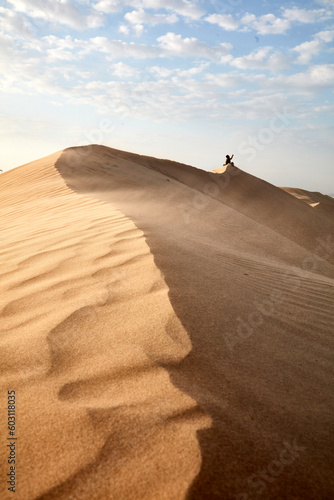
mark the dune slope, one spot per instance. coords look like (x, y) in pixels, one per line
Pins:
(175, 327)
(320, 202)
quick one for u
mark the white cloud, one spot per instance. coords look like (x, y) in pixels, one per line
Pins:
(318, 76)
(314, 79)
(58, 12)
(22, 73)
(108, 6)
(307, 50)
(142, 17)
(254, 60)
(186, 8)
(168, 45)
(12, 22)
(139, 28)
(226, 80)
(111, 49)
(60, 55)
(139, 18)
(124, 29)
(264, 58)
(116, 49)
(193, 71)
(94, 20)
(326, 36)
(305, 16)
(266, 24)
(175, 45)
(269, 24)
(311, 48)
(161, 71)
(123, 70)
(224, 21)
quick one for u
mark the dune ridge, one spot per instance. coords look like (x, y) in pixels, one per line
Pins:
(177, 325)
(320, 202)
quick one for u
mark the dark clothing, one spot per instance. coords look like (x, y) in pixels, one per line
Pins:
(228, 159)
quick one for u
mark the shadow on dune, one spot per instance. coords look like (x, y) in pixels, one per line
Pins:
(256, 398)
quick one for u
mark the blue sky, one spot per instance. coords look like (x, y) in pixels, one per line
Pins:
(185, 80)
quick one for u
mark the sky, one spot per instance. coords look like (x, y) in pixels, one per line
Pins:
(186, 80)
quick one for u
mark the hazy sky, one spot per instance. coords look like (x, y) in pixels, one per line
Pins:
(179, 79)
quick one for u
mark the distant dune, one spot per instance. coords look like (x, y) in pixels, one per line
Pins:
(168, 331)
(321, 202)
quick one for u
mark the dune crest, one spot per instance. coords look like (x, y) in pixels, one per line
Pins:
(174, 327)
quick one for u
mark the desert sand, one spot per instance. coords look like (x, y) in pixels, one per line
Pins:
(322, 203)
(168, 332)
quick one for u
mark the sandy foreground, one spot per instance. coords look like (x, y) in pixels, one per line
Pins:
(168, 332)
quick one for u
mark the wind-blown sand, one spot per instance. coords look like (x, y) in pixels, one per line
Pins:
(168, 332)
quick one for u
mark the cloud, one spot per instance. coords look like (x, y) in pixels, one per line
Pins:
(142, 17)
(169, 45)
(326, 36)
(12, 22)
(319, 76)
(307, 50)
(162, 72)
(263, 25)
(122, 70)
(269, 24)
(186, 8)
(226, 80)
(330, 3)
(266, 24)
(315, 78)
(224, 21)
(311, 48)
(117, 49)
(139, 28)
(80, 48)
(108, 6)
(58, 12)
(139, 18)
(59, 54)
(175, 45)
(264, 58)
(23, 73)
(305, 16)
(124, 29)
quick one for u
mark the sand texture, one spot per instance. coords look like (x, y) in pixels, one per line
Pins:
(168, 332)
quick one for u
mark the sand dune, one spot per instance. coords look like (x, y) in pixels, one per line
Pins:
(310, 197)
(320, 202)
(168, 331)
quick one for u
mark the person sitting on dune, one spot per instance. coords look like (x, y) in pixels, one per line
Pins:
(228, 160)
